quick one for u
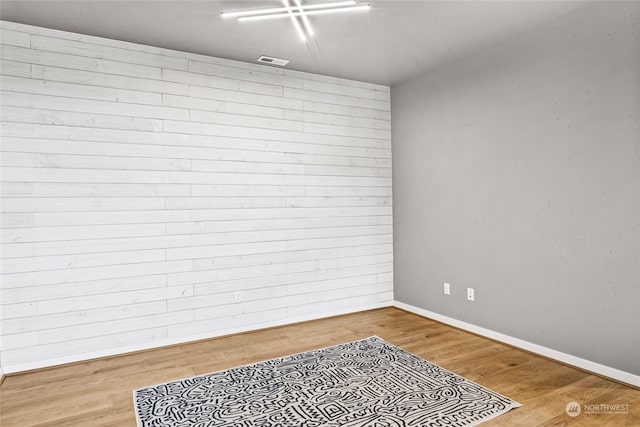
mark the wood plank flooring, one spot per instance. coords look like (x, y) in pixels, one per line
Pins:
(99, 392)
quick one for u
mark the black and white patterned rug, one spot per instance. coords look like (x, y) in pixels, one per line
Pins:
(363, 383)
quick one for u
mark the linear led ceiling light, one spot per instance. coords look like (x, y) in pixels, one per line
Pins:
(299, 10)
(253, 12)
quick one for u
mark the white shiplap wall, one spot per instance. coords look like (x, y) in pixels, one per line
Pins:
(144, 191)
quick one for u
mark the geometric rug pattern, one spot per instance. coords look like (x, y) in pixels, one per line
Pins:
(365, 383)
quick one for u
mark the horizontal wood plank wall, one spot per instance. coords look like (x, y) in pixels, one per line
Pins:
(152, 196)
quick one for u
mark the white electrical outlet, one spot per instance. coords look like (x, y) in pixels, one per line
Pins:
(238, 296)
(447, 289)
(471, 294)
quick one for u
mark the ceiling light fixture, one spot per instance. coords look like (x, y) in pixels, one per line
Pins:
(298, 10)
(240, 13)
(306, 12)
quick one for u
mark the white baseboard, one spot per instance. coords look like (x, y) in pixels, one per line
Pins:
(616, 374)
(11, 369)
(587, 365)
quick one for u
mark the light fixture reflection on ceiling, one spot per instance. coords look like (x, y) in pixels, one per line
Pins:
(298, 10)
(305, 20)
(294, 20)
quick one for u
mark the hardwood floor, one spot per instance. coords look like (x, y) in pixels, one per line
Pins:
(99, 392)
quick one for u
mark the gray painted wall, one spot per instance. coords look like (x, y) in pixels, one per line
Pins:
(517, 172)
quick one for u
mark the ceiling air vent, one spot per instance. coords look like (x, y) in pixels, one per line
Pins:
(273, 61)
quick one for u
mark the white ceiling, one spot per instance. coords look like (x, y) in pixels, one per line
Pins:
(394, 41)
